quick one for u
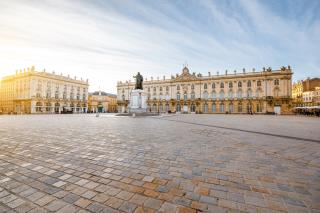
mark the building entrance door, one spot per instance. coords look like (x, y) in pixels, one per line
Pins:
(185, 108)
(277, 110)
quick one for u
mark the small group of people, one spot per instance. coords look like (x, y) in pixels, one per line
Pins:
(309, 111)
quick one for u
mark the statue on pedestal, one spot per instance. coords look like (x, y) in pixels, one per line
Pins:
(139, 80)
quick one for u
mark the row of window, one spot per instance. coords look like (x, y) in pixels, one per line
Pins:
(222, 85)
(205, 108)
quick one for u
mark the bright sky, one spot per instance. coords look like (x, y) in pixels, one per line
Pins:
(107, 41)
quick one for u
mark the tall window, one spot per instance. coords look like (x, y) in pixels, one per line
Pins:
(276, 82)
(192, 86)
(249, 93)
(249, 84)
(259, 83)
(221, 96)
(205, 95)
(239, 94)
(214, 107)
(167, 88)
(193, 108)
(239, 107)
(178, 108)
(178, 87)
(178, 96)
(230, 85)
(192, 95)
(230, 94)
(213, 85)
(185, 96)
(205, 86)
(258, 93)
(239, 84)
(205, 108)
(221, 107)
(154, 89)
(221, 85)
(214, 95)
(259, 107)
(231, 107)
(160, 89)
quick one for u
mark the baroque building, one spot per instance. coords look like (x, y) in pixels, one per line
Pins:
(303, 92)
(266, 91)
(31, 91)
(100, 101)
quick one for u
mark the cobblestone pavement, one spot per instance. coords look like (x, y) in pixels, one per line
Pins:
(83, 163)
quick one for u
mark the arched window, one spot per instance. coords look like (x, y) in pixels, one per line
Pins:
(231, 107)
(205, 86)
(192, 96)
(213, 85)
(178, 87)
(276, 82)
(249, 84)
(178, 108)
(258, 93)
(239, 84)
(259, 107)
(214, 107)
(230, 94)
(192, 86)
(221, 95)
(259, 83)
(193, 108)
(230, 85)
(205, 95)
(185, 96)
(178, 96)
(239, 94)
(221, 107)
(214, 95)
(239, 107)
(221, 85)
(205, 108)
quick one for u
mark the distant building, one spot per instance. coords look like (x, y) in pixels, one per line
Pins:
(31, 91)
(304, 92)
(265, 91)
(102, 102)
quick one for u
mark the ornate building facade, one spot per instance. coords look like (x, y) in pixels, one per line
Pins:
(303, 92)
(267, 91)
(30, 91)
(102, 102)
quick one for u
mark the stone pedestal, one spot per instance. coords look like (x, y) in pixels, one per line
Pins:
(138, 101)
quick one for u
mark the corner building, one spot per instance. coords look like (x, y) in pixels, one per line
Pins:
(267, 91)
(30, 91)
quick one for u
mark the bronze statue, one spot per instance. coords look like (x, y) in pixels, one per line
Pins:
(139, 80)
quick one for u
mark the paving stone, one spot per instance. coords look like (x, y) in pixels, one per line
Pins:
(153, 203)
(83, 203)
(124, 195)
(128, 207)
(56, 205)
(44, 200)
(208, 200)
(71, 198)
(168, 207)
(182, 166)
